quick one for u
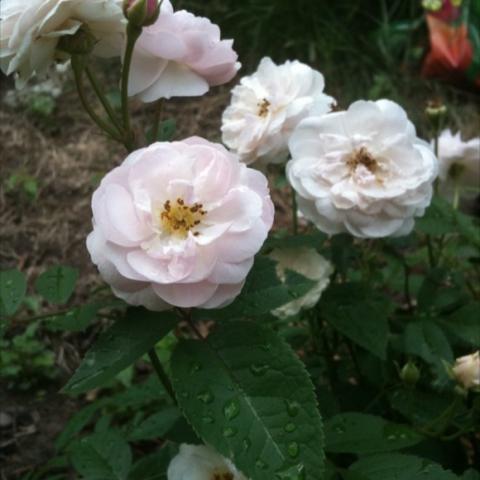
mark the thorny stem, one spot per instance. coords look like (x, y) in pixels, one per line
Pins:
(78, 69)
(132, 36)
(163, 377)
(103, 100)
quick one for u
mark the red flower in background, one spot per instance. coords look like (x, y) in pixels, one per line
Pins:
(451, 52)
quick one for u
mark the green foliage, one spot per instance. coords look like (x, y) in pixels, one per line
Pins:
(247, 394)
(263, 292)
(56, 285)
(102, 456)
(21, 181)
(363, 434)
(25, 361)
(359, 314)
(119, 346)
(13, 287)
(398, 467)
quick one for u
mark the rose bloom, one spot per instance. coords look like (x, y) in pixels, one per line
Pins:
(467, 370)
(309, 263)
(459, 162)
(178, 224)
(30, 31)
(268, 105)
(362, 171)
(198, 462)
(180, 55)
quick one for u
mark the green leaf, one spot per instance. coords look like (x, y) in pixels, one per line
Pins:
(419, 407)
(427, 341)
(441, 218)
(359, 314)
(102, 456)
(471, 475)
(463, 324)
(361, 434)
(76, 425)
(263, 292)
(151, 467)
(155, 426)
(75, 320)
(118, 347)
(13, 287)
(400, 467)
(247, 394)
(56, 285)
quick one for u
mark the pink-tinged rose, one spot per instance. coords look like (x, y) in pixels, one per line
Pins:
(178, 224)
(180, 55)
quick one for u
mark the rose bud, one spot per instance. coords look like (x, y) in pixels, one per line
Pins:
(141, 13)
(467, 370)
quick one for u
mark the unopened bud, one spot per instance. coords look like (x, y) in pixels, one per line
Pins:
(466, 371)
(141, 13)
(410, 374)
(82, 42)
(435, 109)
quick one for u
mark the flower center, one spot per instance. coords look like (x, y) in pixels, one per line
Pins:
(362, 157)
(222, 475)
(263, 107)
(178, 218)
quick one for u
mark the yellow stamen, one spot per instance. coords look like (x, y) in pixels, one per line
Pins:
(179, 218)
(263, 107)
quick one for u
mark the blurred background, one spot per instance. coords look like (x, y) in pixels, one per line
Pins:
(52, 158)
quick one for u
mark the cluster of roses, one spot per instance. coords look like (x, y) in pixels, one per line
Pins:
(179, 223)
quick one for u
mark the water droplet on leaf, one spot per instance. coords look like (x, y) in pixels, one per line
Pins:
(231, 409)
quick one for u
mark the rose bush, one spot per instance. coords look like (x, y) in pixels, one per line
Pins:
(179, 224)
(362, 171)
(227, 352)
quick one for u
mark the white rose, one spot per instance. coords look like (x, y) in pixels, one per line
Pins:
(362, 171)
(198, 462)
(467, 370)
(459, 162)
(30, 31)
(310, 264)
(268, 105)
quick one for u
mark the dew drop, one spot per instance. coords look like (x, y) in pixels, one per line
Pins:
(261, 465)
(246, 444)
(195, 367)
(259, 369)
(293, 407)
(184, 394)
(231, 409)
(208, 419)
(229, 432)
(292, 473)
(391, 437)
(293, 449)
(205, 397)
(290, 427)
